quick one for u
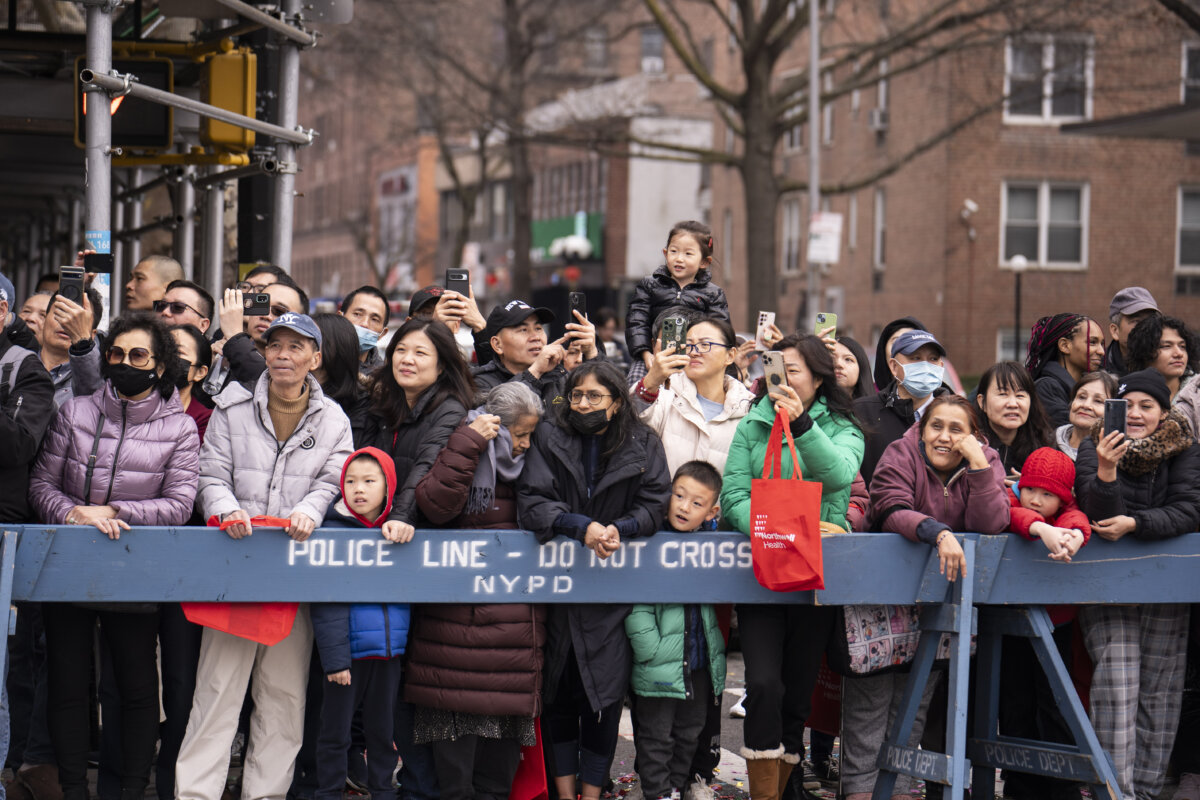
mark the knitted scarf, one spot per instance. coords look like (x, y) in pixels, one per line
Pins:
(496, 463)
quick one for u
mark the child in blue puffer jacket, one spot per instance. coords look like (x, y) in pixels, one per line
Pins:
(360, 644)
(678, 654)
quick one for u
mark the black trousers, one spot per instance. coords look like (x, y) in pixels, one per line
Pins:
(131, 639)
(375, 687)
(27, 679)
(1186, 755)
(179, 646)
(475, 767)
(782, 646)
(576, 739)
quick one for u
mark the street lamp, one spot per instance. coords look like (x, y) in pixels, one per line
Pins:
(1018, 264)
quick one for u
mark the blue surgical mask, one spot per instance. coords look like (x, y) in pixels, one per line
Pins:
(922, 378)
(367, 338)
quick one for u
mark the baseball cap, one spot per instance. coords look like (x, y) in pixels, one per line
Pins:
(300, 323)
(8, 294)
(422, 297)
(514, 312)
(1131, 300)
(912, 341)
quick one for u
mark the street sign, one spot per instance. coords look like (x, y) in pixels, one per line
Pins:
(825, 238)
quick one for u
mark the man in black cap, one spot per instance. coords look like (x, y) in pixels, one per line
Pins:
(1129, 306)
(518, 339)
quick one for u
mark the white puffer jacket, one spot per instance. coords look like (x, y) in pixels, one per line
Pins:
(243, 465)
(679, 421)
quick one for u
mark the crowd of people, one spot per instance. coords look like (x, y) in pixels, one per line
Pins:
(188, 410)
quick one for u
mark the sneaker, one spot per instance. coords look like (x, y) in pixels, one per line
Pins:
(811, 781)
(1189, 787)
(738, 711)
(829, 774)
(698, 789)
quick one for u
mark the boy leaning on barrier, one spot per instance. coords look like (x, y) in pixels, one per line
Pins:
(275, 449)
(360, 644)
(678, 654)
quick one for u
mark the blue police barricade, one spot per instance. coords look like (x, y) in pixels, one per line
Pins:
(1008, 581)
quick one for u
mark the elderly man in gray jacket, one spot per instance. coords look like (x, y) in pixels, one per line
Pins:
(277, 451)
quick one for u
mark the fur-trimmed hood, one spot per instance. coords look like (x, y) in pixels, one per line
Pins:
(1172, 437)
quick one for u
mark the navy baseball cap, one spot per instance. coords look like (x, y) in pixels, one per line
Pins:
(300, 323)
(912, 341)
(8, 294)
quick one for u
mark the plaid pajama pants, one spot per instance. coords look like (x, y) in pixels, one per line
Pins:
(1139, 654)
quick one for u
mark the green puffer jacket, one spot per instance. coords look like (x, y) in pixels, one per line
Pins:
(658, 634)
(830, 452)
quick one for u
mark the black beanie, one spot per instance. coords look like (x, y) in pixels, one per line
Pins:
(1149, 381)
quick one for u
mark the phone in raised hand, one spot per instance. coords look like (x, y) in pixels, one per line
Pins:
(765, 320)
(774, 373)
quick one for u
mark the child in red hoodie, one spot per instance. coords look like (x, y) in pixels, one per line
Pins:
(1045, 508)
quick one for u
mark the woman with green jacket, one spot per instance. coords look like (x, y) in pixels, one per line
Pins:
(782, 643)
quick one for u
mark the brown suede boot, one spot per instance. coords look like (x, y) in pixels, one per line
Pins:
(763, 774)
(785, 772)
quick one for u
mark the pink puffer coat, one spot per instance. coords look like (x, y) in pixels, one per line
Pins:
(147, 462)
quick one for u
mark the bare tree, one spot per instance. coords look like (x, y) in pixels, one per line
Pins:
(757, 104)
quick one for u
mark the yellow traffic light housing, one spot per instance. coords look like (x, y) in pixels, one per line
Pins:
(231, 83)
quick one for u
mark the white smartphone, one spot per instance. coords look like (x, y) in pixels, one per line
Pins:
(765, 320)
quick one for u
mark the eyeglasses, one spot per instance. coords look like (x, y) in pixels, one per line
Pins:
(247, 286)
(176, 307)
(702, 347)
(592, 398)
(138, 356)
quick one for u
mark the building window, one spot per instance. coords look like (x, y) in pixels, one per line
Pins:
(1191, 74)
(881, 88)
(879, 257)
(1007, 348)
(1048, 79)
(595, 47)
(1189, 229)
(733, 25)
(727, 244)
(652, 50)
(790, 236)
(793, 138)
(1046, 223)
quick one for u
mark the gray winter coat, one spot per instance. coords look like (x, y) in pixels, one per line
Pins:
(243, 465)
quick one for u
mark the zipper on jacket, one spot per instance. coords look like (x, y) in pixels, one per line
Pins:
(17, 410)
(387, 631)
(688, 642)
(120, 440)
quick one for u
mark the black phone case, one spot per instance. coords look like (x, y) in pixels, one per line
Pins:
(1114, 417)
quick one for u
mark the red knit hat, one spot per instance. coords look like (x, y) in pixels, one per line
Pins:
(1052, 470)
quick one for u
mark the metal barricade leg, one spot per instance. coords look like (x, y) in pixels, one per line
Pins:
(8, 562)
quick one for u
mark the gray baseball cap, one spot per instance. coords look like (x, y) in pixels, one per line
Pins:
(1131, 300)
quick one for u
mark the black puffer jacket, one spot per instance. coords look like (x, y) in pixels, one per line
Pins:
(658, 292)
(25, 414)
(1053, 387)
(548, 387)
(886, 416)
(1159, 482)
(630, 491)
(414, 446)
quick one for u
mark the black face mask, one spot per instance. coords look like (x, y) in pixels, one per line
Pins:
(128, 380)
(182, 381)
(588, 424)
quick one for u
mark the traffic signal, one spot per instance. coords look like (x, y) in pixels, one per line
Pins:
(137, 124)
(231, 83)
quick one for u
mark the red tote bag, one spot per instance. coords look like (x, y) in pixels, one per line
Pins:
(265, 623)
(785, 521)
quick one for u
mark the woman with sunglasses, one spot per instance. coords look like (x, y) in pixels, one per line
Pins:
(598, 475)
(126, 455)
(694, 403)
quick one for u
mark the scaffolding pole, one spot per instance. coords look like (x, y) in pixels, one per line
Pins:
(285, 150)
(298, 35)
(137, 191)
(98, 175)
(185, 233)
(816, 129)
(133, 218)
(211, 277)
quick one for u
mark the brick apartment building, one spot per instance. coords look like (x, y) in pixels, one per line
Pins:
(935, 239)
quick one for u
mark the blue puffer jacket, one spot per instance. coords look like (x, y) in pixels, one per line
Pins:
(348, 631)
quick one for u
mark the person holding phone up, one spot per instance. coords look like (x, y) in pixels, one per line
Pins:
(1144, 483)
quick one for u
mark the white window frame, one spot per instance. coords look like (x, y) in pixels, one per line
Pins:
(881, 87)
(1183, 63)
(827, 113)
(852, 223)
(1004, 340)
(791, 230)
(1043, 211)
(879, 230)
(1183, 269)
(793, 138)
(1047, 41)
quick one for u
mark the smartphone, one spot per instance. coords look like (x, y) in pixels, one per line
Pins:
(459, 280)
(774, 373)
(1114, 415)
(256, 304)
(70, 283)
(576, 301)
(765, 320)
(674, 333)
(98, 262)
(826, 322)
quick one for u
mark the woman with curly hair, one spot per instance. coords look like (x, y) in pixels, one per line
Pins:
(1169, 346)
